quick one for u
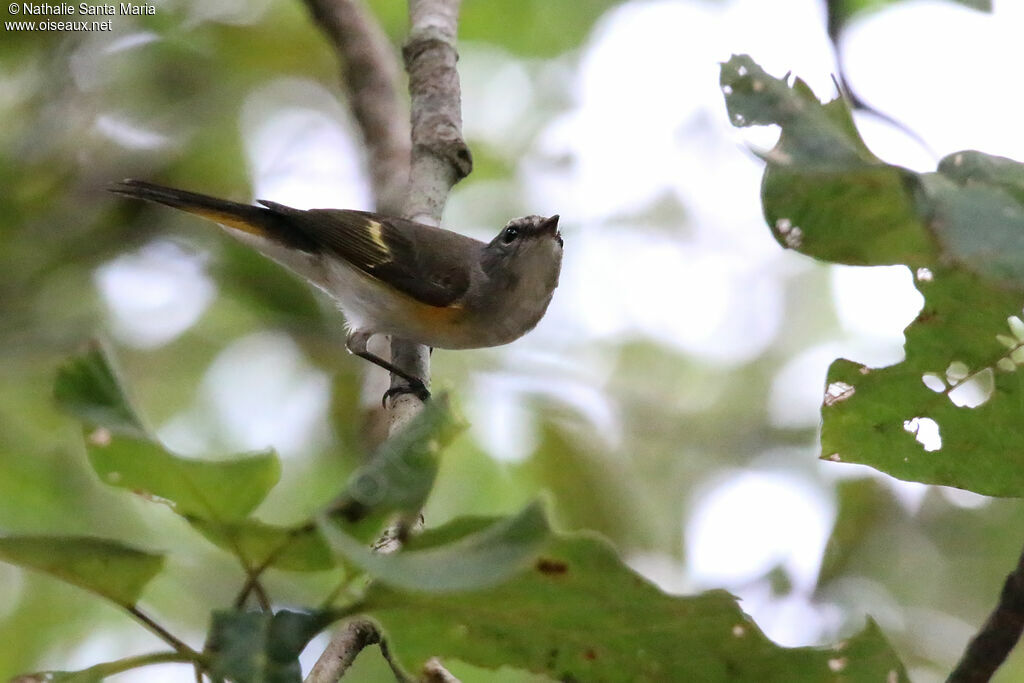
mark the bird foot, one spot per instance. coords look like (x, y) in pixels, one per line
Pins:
(414, 387)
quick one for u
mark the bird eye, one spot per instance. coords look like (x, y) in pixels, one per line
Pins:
(510, 234)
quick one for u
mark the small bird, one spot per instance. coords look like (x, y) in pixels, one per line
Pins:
(397, 277)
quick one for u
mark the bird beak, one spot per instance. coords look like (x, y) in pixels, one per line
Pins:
(550, 226)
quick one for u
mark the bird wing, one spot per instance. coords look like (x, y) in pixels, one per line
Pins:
(431, 265)
(401, 253)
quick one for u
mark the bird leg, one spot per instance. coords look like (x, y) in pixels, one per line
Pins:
(356, 344)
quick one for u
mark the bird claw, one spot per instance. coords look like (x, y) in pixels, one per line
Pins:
(414, 387)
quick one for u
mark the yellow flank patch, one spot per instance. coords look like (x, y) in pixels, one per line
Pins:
(438, 315)
(227, 219)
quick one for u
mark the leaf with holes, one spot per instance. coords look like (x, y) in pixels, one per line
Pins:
(951, 412)
(634, 632)
(474, 554)
(107, 568)
(258, 647)
(217, 490)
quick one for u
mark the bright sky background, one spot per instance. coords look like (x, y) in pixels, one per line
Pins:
(647, 123)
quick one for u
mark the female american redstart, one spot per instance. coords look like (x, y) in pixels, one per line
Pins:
(393, 276)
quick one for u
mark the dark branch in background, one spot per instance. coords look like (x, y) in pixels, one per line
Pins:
(371, 76)
(993, 643)
(837, 19)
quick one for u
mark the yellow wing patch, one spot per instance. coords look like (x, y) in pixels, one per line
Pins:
(376, 231)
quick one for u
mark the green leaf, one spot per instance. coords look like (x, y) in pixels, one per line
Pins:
(89, 388)
(964, 346)
(474, 555)
(577, 613)
(216, 490)
(107, 568)
(400, 474)
(824, 193)
(970, 167)
(300, 549)
(978, 214)
(258, 647)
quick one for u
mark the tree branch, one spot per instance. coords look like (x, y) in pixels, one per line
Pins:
(993, 643)
(440, 157)
(371, 77)
(345, 646)
(434, 672)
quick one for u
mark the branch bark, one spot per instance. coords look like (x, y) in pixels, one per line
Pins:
(440, 156)
(993, 643)
(343, 649)
(434, 672)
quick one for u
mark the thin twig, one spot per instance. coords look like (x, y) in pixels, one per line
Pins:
(102, 671)
(836, 11)
(253, 574)
(179, 646)
(993, 643)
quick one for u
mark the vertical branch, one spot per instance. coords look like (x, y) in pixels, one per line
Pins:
(440, 157)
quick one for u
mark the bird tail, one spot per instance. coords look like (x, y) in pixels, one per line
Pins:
(254, 220)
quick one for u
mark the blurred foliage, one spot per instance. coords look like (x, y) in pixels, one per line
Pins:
(566, 602)
(163, 98)
(110, 569)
